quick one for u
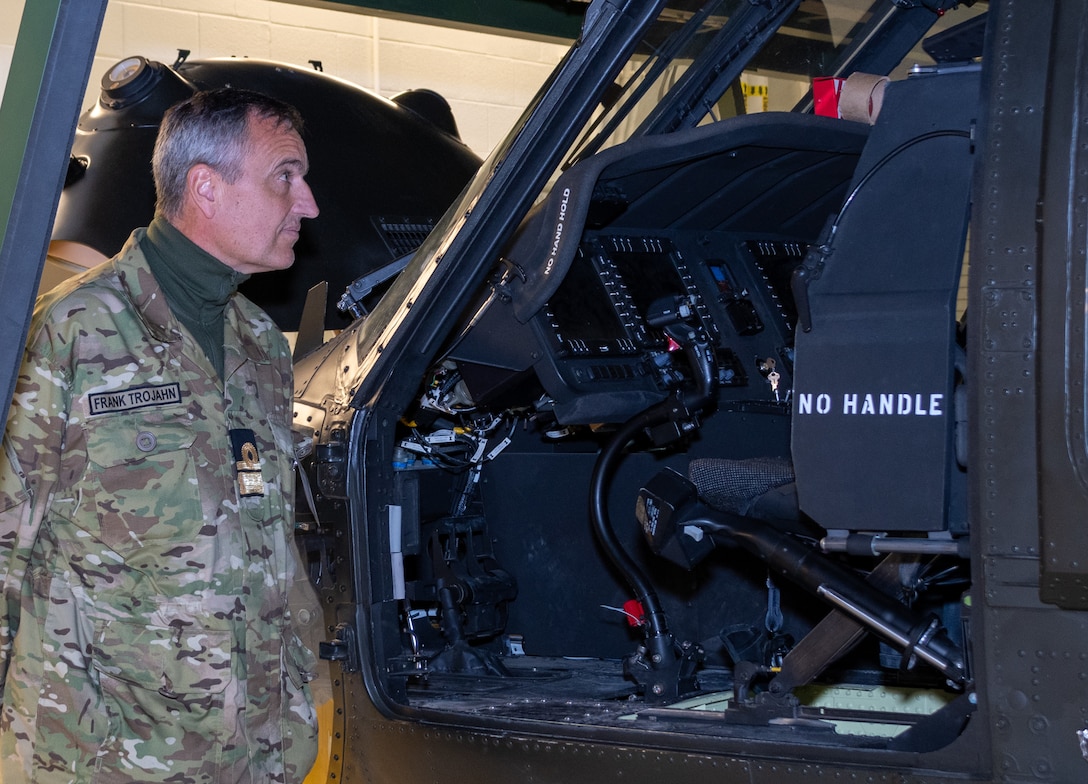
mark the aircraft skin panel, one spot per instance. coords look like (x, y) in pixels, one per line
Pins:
(1016, 632)
(1062, 369)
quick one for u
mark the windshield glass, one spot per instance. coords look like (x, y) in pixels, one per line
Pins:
(698, 65)
(700, 61)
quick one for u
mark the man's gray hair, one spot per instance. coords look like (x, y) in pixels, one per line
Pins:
(211, 128)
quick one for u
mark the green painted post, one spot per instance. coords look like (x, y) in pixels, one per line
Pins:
(49, 72)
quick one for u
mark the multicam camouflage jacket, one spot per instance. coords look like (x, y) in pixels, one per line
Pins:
(146, 547)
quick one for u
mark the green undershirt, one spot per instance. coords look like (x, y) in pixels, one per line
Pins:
(197, 286)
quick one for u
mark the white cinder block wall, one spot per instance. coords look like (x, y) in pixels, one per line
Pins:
(487, 79)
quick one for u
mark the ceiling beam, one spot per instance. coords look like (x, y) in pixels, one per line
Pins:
(552, 20)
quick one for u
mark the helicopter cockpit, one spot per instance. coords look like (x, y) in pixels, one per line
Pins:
(691, 462)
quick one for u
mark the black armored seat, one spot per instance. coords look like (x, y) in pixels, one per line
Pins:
(874, 410)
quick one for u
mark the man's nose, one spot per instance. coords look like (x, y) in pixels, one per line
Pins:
(305, 204)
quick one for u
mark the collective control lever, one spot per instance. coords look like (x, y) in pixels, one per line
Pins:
(679, 527)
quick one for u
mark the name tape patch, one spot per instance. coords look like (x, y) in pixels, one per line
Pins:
(132, 399)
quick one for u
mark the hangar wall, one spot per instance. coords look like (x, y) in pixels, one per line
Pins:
(488, 79)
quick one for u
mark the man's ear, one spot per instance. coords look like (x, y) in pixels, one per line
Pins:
(202, 188)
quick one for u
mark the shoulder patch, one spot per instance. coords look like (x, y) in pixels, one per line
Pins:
(134, 398)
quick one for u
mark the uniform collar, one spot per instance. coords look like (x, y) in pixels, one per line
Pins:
(197, 285)
(144, 291)
(148, 299)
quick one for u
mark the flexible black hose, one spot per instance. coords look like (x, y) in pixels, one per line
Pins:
(598, 512)
(701, 356)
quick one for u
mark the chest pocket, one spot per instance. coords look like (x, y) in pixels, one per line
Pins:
(144, 480)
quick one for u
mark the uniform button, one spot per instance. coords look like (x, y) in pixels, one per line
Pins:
(145, 441)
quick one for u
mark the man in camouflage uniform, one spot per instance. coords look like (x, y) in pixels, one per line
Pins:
(146, 518)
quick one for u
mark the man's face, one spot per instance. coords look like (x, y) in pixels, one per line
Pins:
(257, 222)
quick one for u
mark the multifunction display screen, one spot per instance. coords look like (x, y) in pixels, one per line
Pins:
(600, 307)
(582, 314)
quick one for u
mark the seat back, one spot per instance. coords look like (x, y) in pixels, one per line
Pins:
(875, 378)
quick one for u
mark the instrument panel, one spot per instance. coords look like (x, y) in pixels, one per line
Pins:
(602, 305)
(604, 322)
